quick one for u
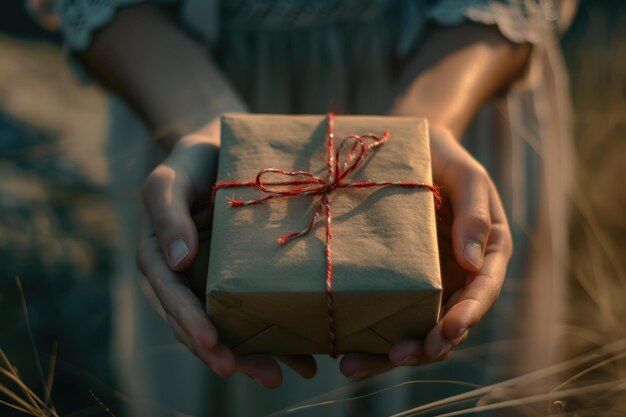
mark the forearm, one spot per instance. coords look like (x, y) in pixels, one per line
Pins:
(165, 75)
(458, 69)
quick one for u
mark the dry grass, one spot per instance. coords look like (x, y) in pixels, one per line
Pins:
(597, 63)
(19, 396)
(506, 395)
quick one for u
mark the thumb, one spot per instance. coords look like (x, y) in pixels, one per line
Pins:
(472, 221)
(166, 195)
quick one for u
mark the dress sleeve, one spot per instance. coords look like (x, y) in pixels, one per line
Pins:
(79, 19)
(519, 20)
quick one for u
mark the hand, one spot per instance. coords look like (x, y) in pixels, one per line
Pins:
(475, 246)
(168, 245)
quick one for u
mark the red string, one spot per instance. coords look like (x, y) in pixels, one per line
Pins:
(354, 149)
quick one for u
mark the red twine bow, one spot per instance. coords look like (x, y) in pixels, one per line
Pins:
(306, 183)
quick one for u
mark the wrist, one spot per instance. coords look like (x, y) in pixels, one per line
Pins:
(182, 135)
(448, 127)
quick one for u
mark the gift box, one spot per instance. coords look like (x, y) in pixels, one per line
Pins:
(272, 298)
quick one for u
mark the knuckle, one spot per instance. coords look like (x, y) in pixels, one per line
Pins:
(477, 172)
(482, 219)
(478, 224)
(503, 235)
(473, 172)
(156, 181)
(150, 184)
(480, 174)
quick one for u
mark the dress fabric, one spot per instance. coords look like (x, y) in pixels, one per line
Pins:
(306, 56)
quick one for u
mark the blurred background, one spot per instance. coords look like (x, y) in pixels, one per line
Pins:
(57, 230)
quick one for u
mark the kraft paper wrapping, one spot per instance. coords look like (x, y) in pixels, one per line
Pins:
(268, 298)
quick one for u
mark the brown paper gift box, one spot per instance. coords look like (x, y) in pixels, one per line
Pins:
(268, 298)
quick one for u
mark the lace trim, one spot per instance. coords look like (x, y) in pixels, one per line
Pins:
(519, 20)
(80, 18)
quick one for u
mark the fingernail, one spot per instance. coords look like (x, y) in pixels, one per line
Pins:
(178, 252)
(408, 360)
(473, 253)
(359, 373)
(447, 347)
(460, 333)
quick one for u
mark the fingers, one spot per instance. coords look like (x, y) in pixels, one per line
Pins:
(481, 242)
(169, 239)
(169, 191)
(303, 364)
(173, 292)
(167, 195)
(193, 328)
(408, 353)
(412, 352)
(469, 304)
(262, 368)
(360, 365)
(472, 219)
(266, 372)
(438, 344)
(467, 186)
(220, 359)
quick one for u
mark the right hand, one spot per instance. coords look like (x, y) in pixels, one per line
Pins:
(168, 245)
(475, 246)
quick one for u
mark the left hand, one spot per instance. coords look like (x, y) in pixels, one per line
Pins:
(475, 246)
(169, 246)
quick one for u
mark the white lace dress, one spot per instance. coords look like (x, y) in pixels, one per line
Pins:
(302, 56)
